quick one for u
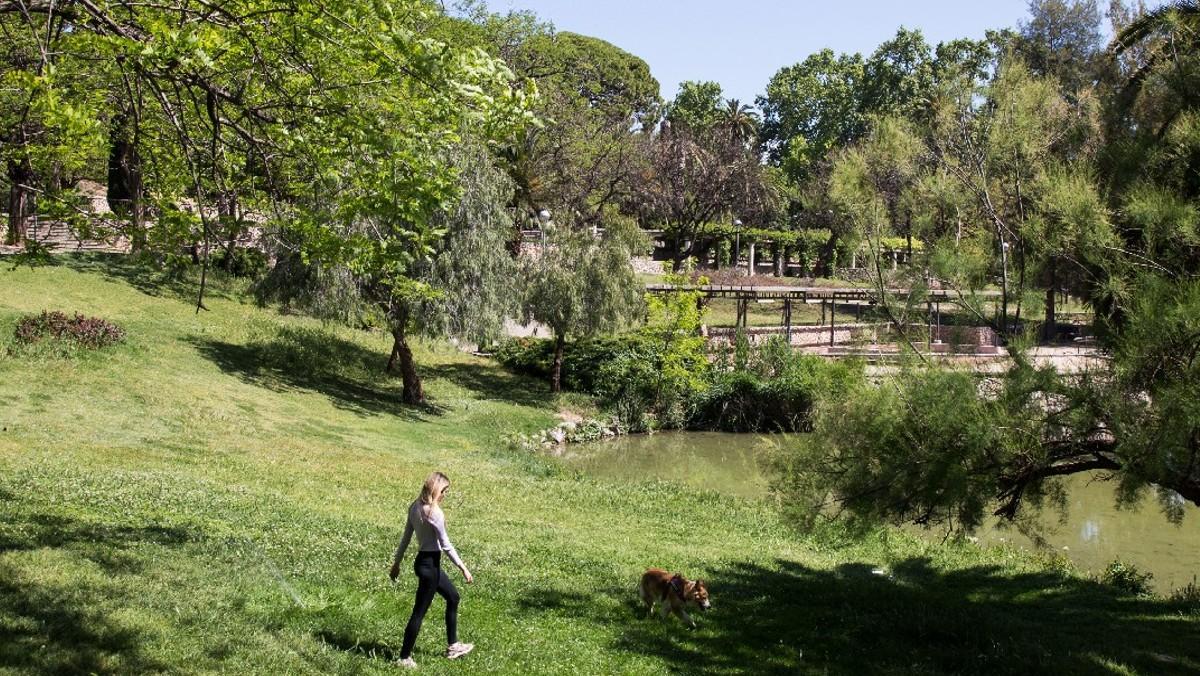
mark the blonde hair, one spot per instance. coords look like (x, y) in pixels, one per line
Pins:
(431, 493)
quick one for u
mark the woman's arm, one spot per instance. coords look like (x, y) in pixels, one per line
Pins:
(404, 540)
(438, 521)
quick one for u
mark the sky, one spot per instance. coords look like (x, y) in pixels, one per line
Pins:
(742, 44)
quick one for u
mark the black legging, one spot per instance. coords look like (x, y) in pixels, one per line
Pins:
(430, 579)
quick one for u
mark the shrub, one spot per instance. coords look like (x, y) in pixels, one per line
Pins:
(770, 388)
(646, 385)
(88, 332)
(1187, 595)
(242, 262)
(1127, 577)
(587, 364)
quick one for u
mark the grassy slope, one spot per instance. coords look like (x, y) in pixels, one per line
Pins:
(200, 500)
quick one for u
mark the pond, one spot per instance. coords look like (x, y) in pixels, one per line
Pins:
(1093, 533)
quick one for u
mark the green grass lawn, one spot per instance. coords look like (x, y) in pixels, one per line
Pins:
(223, 491)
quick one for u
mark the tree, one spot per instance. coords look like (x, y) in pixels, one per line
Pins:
(470, 279)
(1061, 39)
(937, 447)
(1015, 162)
(594, 101)
(697, 106)
(696, 177)
(50, 117)
(740, 121)
(874, 184)
(811, 108)
(1007, 154)
(898, 77)
(582, 286)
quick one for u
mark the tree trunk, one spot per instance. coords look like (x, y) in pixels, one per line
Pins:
(402, 356)
(824, 266)
(20, 201)
(227, 216)
(125, 191)
(560, 343)
(1050, 329)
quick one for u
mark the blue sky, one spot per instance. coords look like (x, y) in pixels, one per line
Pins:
(742, 44)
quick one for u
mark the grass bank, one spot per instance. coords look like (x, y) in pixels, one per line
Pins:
(222, 493)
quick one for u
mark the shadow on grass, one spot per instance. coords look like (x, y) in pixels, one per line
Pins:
(103, 543)
(47, 629)
(144, 275)
(918, 619)
(349, 644)
(493, 382)
(350, 375)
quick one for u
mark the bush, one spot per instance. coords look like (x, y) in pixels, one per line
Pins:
(247, 263)
(587, 364)
(765, 389)
(771, 390)
(1188, 594)
(1127, 577)
(89, 332)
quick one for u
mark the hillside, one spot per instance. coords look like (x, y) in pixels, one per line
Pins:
(223, 491)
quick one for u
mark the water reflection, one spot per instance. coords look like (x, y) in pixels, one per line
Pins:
(1093, 533)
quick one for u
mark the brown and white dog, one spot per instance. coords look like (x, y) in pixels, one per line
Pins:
(674, 593)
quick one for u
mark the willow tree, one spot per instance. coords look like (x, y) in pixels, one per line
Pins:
(391, 191)
(468, 286)
(581, 285)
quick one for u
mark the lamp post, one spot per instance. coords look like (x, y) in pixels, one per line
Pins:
(1004, 290)
(543, 220)
(737, 243)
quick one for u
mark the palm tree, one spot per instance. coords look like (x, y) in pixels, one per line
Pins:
(1178, 22)
(740, 120)
(1182, 16)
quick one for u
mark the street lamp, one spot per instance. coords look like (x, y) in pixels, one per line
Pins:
(1004, 289)
(737, 243)
(543, 220)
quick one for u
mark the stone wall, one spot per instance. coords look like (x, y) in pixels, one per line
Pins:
(965, 335)
(802, 336)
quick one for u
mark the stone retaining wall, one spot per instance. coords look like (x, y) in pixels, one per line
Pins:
(802, 336)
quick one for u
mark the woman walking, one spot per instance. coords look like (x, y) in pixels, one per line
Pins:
(426, 518)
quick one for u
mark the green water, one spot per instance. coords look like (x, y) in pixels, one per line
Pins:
(1093, 533)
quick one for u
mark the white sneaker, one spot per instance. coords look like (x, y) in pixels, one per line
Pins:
(459, 649)
(407, 662)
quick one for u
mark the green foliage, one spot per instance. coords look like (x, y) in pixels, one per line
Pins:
(653, 386)
(1127, 577)
(697, 106)
(811, 108)
(473, 277)
(581, 161)
(1187, 595)
(1155, 406)
(582, 286)
(925, 448)
(1062, 40)
(242, 262)
(648, 382)
(569, 66)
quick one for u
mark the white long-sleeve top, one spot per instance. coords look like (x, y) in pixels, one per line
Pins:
(431, 533)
